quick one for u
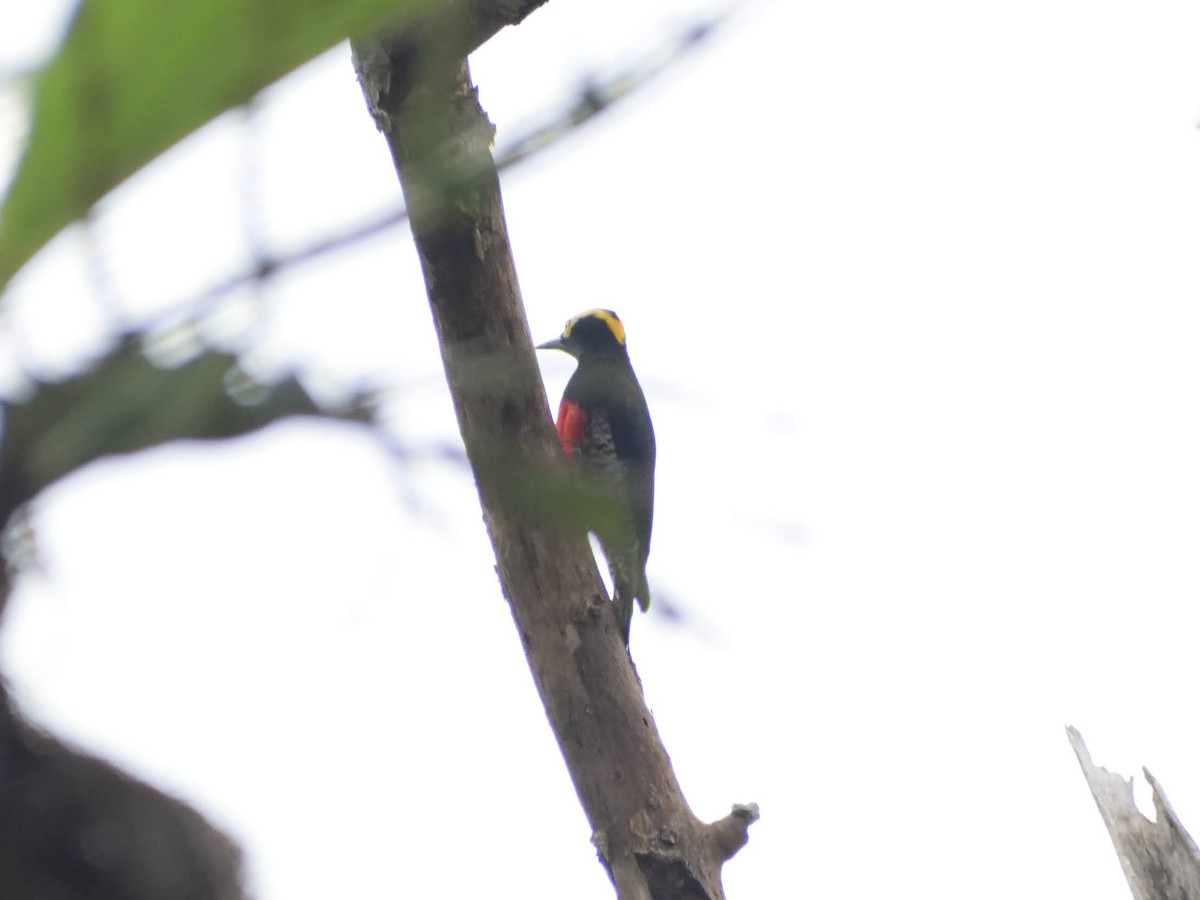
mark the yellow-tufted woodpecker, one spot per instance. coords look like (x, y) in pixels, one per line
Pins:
(604, 426)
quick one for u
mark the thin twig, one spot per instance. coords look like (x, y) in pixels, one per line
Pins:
(596, 97)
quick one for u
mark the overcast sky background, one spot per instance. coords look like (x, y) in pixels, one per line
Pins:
(912, 289)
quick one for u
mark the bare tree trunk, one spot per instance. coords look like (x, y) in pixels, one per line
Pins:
(648, 838)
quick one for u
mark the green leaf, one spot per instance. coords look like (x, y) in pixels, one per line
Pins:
(133, 77)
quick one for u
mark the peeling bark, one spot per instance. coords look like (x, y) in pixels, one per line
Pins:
(1159, 857)
(647, 837)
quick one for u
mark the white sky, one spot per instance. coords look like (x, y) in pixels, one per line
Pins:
(913, 293)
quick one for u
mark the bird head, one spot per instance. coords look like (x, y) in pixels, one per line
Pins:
(597, 332)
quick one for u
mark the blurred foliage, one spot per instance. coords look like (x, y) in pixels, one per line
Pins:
(133, 77)
(552, 496)
(127, 403)
(598, 93)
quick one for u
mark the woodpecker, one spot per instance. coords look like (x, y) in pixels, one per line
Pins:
(604, 427)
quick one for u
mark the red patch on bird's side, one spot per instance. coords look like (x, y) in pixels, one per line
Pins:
(571, 419)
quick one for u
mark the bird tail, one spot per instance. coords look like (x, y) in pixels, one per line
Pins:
(643, 590)
(625, 591)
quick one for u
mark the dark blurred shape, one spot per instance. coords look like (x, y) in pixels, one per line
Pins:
(73, 827)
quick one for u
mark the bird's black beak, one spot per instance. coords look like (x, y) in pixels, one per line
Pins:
(556, 344)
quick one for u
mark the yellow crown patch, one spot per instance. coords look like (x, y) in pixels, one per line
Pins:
(607, 316)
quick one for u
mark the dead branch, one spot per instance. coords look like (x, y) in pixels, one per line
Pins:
(649, 840)
(1159, 858)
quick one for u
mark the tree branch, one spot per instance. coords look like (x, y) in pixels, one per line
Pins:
(598, 94)
(649, 840)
